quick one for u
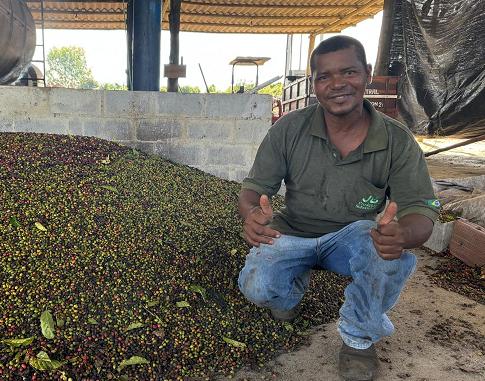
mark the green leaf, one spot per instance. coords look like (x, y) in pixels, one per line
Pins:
(234, 343)
(288, 326)
(187, 224)
(182, 304)
(60, 322)
(106, 161)
(14, 222)
(153, 303)
(199, 289)
(92, 321)
(133, 360)
(134, 326)
(43, 356)
(43, 362)
(110, 188)
(124, 377)
(233, 251)
(41, 227)
(18, 342)
(304, 333)
(47, 325)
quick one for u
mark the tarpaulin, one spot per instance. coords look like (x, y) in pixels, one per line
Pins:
(438, 49)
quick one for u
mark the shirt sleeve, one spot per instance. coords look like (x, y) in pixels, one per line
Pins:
(269, 167)
(409, 181)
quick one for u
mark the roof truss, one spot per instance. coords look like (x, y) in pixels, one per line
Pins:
(221, 16)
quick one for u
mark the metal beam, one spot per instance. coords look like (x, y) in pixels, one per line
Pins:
(382, 63)
(174, 17)
(146, 45)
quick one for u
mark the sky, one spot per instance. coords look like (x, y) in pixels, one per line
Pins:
(106, 53)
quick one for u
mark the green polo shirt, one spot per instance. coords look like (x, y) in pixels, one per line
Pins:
(324, 192)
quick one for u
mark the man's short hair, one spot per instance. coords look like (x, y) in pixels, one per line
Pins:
(334, 44)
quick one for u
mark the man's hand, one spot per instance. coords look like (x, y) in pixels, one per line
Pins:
(256, 221)
(389, 237)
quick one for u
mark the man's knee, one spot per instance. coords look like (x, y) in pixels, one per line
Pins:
(253, 285)
(362, 227)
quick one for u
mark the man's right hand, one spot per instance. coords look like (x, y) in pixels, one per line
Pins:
(256, 230)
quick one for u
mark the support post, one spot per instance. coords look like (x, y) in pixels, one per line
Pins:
(289, 53)
(129, 44)
(311, 46)
(385, 38)
(146, 45)
(174, 19)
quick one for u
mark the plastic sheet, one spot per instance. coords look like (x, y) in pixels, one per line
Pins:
(438, 49)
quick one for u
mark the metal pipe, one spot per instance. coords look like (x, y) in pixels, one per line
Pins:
(461, 144)
(146, 45)
(174, 20)
(382, 63)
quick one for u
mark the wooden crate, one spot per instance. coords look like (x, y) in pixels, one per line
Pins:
(297, 94)
(468, 242)
(382, 93)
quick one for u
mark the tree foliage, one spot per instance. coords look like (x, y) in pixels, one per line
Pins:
(187, 89)
(67, 67)
(112, 86)
(275, 89)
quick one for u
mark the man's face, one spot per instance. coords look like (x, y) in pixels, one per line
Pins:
(339, 81)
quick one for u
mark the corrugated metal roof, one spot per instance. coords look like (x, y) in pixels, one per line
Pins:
(219, 16)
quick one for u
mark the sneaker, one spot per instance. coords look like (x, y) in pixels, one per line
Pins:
(357, 364)
(288, 315)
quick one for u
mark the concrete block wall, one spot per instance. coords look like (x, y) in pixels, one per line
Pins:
(217, 133)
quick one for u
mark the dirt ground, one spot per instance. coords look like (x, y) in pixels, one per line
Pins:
(440, 336)
(459, 162)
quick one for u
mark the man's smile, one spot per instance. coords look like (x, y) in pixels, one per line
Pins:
(340, 97)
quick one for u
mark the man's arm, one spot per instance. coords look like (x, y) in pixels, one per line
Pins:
(392, 237)
(257, 213)
(417, 228)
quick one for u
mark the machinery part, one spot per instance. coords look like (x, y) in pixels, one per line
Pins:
(254, 90)
(17, 39)
(32, 76)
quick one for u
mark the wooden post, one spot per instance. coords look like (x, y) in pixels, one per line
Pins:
(311, 46)
(174, 19)
(385, 38)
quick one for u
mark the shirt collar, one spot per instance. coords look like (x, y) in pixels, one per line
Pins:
(377, 136)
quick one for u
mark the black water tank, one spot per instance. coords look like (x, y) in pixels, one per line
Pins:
(17, 39)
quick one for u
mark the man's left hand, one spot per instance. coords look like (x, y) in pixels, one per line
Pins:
(389, 237)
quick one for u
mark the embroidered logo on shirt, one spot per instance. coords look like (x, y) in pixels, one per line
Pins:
(368, 203)
(433, 203)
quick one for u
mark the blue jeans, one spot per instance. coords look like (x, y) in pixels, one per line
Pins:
(276, 276)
